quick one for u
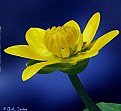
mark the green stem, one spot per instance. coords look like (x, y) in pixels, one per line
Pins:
(89, 103)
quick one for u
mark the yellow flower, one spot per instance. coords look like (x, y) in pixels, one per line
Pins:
(62, 44)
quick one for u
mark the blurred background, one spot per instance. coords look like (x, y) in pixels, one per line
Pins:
(54, 92)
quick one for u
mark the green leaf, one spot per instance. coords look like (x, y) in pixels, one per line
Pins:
(64, 67)
(108, 106)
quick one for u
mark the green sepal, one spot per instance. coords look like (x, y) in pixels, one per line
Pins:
(76, 69)
(108, 106)
(67, 68)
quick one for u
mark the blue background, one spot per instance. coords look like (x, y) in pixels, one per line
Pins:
(54, 92)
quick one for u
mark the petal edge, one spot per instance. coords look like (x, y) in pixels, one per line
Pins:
(91, 28)
(74, 24)
(24, 51)
(33, 69)
(103, 40)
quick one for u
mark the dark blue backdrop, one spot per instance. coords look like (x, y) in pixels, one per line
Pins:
(54, 92)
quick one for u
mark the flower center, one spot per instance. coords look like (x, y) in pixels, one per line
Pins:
(62, 41)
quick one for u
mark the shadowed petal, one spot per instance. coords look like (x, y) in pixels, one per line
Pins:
(79, 43)
(91, 28)
(83, 55)
(32, 70)
(24, 51)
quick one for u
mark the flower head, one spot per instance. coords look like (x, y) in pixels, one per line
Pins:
(61, 45)
(63, 41)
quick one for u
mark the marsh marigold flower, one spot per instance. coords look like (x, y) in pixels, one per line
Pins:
(61, 45)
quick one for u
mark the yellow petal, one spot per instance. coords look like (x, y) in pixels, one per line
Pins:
(103, 40)
(72, 23)
(83, 55)
(50, 44)
(24, 51)
(32, 70)
(34, 37)
(55, 50)
(65, 53)
(95, 46)
(72, 36)
(91, 28)
(64, 42)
